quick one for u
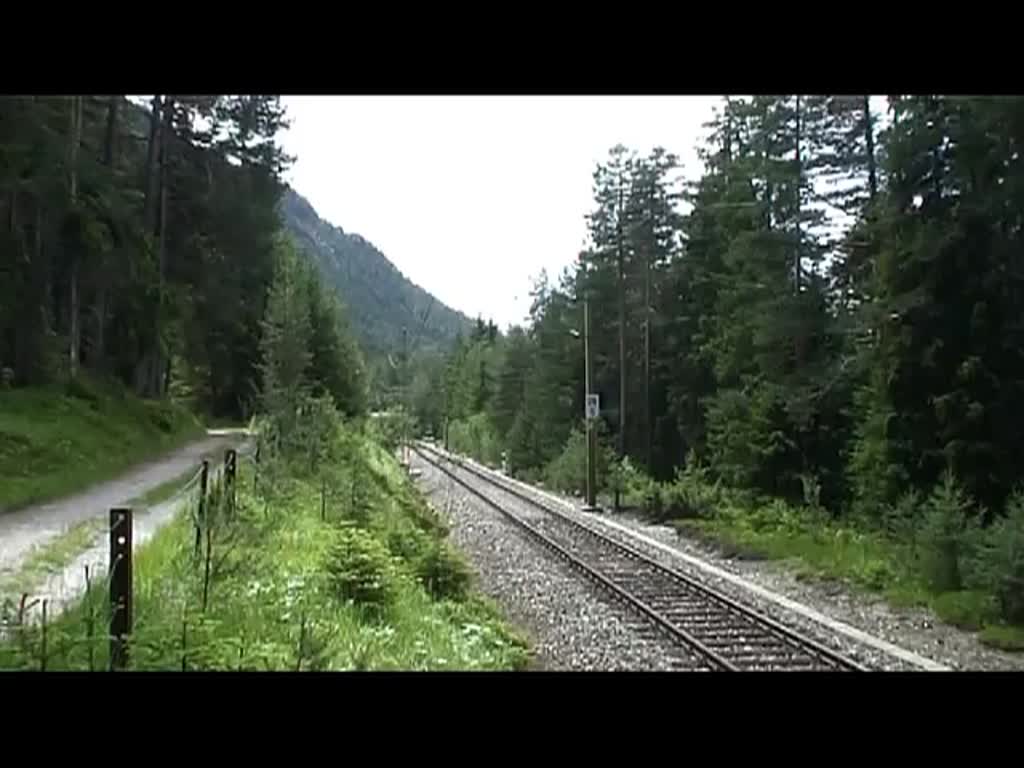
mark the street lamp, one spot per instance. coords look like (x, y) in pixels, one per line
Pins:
(591, 412)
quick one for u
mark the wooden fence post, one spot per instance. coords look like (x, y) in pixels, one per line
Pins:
(120, 585)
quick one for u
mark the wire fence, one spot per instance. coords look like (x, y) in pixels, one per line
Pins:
(106, 614)
(66, 583)
(208, 501)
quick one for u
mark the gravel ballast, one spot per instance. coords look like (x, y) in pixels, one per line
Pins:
(570, 623)
(915, 630)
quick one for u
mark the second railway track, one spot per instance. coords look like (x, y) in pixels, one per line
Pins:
(722, 634)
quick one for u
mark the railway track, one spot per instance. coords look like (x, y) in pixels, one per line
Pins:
(722, 634)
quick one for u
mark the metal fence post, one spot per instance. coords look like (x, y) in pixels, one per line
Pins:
(256, 472)
(120, 585)
(230, 465)
(200, 514)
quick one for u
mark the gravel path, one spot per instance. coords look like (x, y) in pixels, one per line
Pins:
(916, 630)
(25, 529)
(61, 589)
(571, 625)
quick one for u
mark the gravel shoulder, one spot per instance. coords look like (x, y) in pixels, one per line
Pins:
(915, 630)
(569, 623)
(31, 527)
(63, 587)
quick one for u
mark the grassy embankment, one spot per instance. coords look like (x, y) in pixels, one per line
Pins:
(358, 579)
(58, 440)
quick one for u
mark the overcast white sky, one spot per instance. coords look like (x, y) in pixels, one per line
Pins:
(471, 196)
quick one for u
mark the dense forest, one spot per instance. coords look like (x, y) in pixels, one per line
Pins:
(738, 332)
(139, 243)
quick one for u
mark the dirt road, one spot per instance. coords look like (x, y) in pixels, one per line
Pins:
(27, 528)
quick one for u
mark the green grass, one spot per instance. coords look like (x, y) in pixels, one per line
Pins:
(910, 594)
(274, 600)
(821, 550)
(967, 610)
(1003, 637)
(52, 557)
(164, 491)
(56, 441)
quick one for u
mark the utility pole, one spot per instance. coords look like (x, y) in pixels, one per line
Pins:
(591, 437)
(647, 326)
(622, 341)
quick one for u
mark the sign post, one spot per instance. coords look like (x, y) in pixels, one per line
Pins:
(592, 412)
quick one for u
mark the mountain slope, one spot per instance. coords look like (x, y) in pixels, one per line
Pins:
(380, 300)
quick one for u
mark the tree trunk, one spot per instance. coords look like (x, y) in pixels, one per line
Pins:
(799, 173)
(149, 182)
(100, 320)
(37, 254)
(44, 269)
(13, 338)
(150, 371)
(100, 305)
(727, 143)
(800, 346)
(869, 141)
(12, 216)
(769, 191)
(75, 330)
(894, 102)
(161, 229)
(158, 372)
(42, 276)
(33, 350)
(145, 377)
(10, 338)
(109, 143)
(74, 140)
